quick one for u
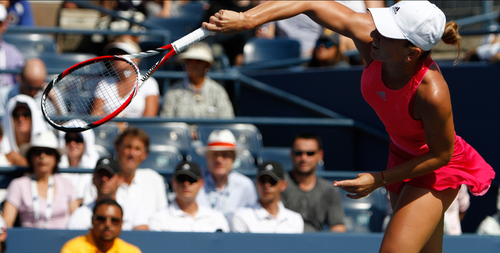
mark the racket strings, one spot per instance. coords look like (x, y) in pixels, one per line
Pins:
(91, 92)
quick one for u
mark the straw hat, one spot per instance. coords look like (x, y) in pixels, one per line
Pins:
(198, 51)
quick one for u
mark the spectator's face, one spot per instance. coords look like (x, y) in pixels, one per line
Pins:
(107, 184)
(306, 155)
(269, 189)
(43, 160)
(31, 85)
(106, 222)
(131, 153)
(74, 145)
(22, 120)
(325, 51)
(220, 163)
(196, 68)
(186, 188)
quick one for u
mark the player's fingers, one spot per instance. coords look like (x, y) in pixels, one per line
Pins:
(211, 27)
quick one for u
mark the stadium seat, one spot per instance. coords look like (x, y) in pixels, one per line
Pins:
(281, 155)
(64, 60)
(258, 50)
(175, 134)
(177, 26)
(32, 45)
(247, 136)
(192, 9)
(162, 158)
(104, 137)
(366, 214)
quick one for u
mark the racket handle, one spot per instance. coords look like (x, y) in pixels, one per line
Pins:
(186, 41)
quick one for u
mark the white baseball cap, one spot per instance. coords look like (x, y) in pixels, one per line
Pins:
(219, 140)
(420, 22)
(45, 139)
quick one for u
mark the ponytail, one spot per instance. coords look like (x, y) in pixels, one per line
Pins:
(451, 36)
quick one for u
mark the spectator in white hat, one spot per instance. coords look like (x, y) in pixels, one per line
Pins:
(197, 95)
(225, 189)
(428, 162)
(44, 199)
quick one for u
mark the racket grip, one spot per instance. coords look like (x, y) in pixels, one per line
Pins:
(193, 37)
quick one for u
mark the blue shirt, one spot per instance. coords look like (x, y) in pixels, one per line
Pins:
(238, 192)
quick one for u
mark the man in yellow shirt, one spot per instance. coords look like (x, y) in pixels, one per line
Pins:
(103, 236)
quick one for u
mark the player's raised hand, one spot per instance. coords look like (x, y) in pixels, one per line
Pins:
(226, 21)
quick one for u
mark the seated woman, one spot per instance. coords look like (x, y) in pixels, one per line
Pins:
(21, 121)
(80, 152)
(42, 199)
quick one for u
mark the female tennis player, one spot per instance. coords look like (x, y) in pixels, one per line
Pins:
(427, 162)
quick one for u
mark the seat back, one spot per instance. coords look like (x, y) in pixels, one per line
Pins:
(105, 136)
(264, 50)
(176, 134)
(177, 26)
(247, 136)
(162, 158)
(192, 9)
(65, 60)
(32, 45)
(366, 214)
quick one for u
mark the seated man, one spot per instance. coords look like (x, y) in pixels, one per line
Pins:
(225, 190)
(107, 179)
(313, 197)
(268, 215)
(103, 236)
(184, 214)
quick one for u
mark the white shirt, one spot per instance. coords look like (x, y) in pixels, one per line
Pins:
(452, 215)
(133, 216)
(173, 218)
(147, 188)
(238, 192)
(490, 225)
(257, 219)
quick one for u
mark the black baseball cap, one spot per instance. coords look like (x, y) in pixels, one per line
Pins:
(188, 168)
(109, 164)
(272, 169)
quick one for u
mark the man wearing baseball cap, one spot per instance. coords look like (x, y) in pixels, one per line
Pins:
(225, 190)
(184, 214)
(197, 95)
(268, 215)
(107, 179)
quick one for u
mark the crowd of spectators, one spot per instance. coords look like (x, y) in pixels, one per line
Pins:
(118, 194)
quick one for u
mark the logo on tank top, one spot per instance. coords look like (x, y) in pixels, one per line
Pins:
(396, 9)
(381, 94)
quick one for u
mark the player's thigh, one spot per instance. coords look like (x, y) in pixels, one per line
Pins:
(417, 213)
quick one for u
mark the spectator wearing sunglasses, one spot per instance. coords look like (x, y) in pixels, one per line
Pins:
(268, 215)
(81, 152)
(313, 197)
(21, 121)
(43, 199)
(107, 220)
(184, 214)
(31, 83)
(107, 179)
(326, 53)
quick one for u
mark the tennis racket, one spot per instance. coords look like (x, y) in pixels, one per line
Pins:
(97, 90)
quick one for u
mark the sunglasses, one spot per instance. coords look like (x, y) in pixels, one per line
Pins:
(47, 151)
(265, 180)
(17, 115)
(183, 178)
(30, 88)
(300, 153)
(103, 219)
(326, 43)
(76, 139)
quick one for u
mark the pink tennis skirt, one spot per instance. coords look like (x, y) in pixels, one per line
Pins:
(466, 167)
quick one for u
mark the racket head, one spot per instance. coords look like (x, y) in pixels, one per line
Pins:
(90, 93)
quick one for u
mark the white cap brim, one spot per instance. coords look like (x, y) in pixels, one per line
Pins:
(386, 24)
